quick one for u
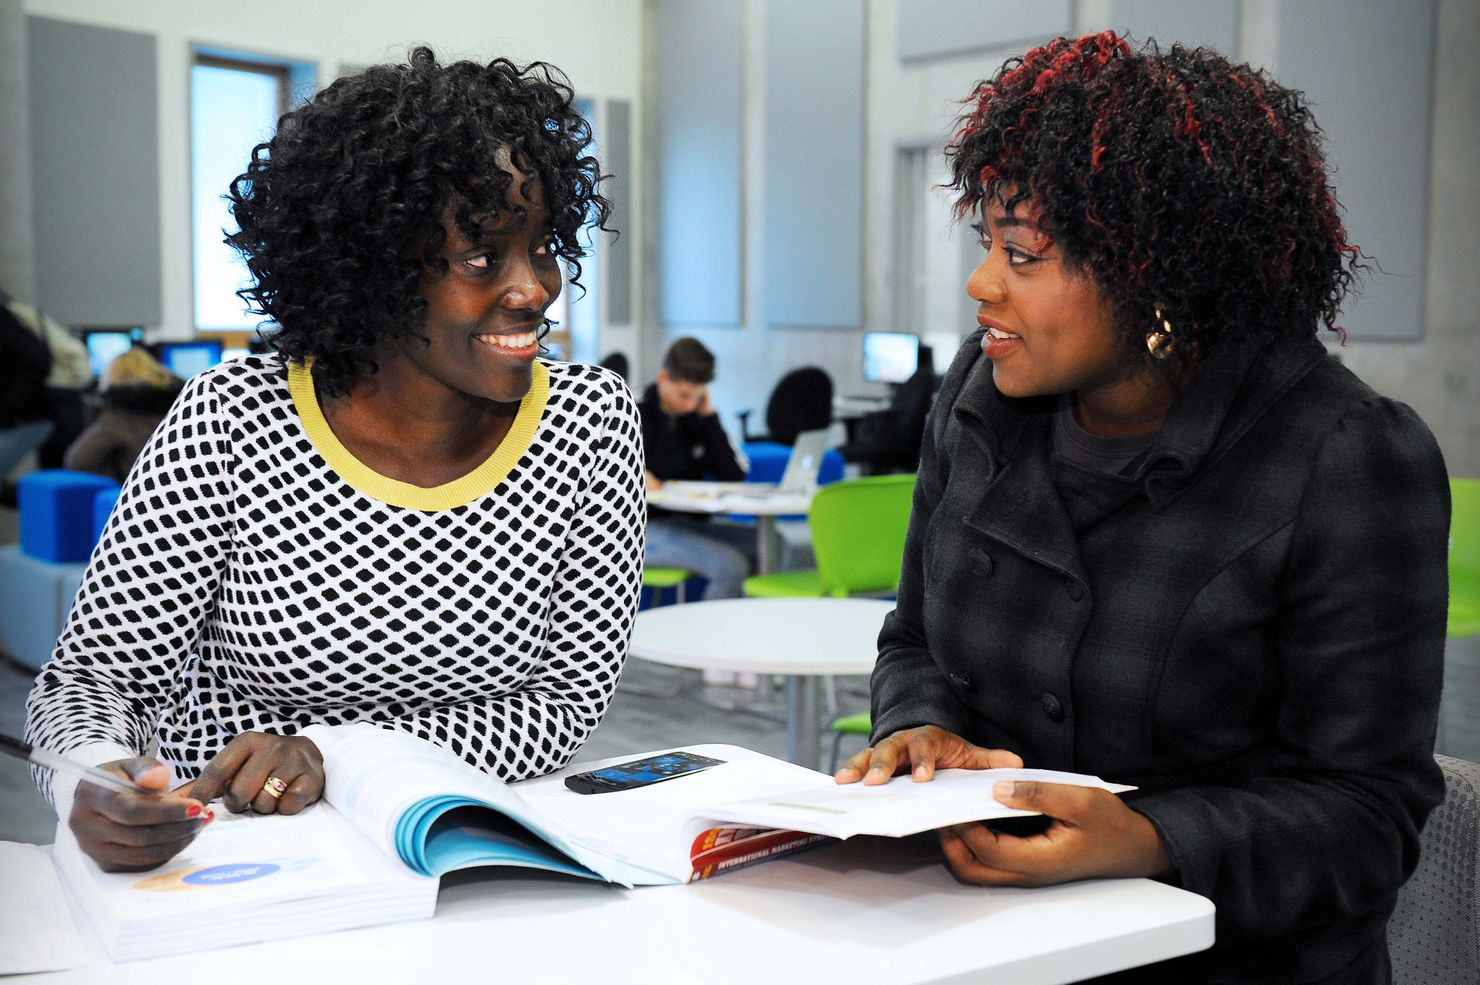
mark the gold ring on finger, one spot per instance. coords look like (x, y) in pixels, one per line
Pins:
(274, 787)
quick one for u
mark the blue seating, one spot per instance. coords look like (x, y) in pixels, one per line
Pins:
(38, 595)
(103, 502)
(61, 517)
(56, 513)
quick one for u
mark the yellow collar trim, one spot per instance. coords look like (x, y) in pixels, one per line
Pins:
(459, 491)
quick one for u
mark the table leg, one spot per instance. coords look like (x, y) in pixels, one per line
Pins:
(767, 550)
(803, 745)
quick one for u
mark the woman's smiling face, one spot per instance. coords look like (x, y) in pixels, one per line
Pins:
(484, 313)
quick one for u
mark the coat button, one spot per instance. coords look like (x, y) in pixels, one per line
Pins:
(1075, 592)
(1052, 707)
(981, 563)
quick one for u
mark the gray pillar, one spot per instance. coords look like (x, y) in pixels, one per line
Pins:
(17, 249)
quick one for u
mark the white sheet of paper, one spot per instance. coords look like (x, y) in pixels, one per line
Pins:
(36, 928)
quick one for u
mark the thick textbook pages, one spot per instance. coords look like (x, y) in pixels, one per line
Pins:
(247, 877)
(428, 807)
(424, 805)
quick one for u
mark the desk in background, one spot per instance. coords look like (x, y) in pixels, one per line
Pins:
(732, 499)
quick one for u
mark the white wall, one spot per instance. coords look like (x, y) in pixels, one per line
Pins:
(597, 43)
(913, 104)
(1440, 375)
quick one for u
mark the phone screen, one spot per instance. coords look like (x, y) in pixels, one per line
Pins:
(640, 772)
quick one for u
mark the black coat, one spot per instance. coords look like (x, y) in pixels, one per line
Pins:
(25, 362)
(1250, 629)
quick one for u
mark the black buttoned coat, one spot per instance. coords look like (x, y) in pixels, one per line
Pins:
(1250, 628)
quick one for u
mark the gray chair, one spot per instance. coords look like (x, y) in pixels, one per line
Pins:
(1434, 933)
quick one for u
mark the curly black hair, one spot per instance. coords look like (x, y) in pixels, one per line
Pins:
(341, 211)
(1177, 180)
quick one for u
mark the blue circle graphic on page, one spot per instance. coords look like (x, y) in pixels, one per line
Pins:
(224, 875)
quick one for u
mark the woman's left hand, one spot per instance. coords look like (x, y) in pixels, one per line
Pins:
(1092, 834)
(241, 772)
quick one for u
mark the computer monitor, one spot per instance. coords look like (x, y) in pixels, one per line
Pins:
(106, 344)
(890, 357)
(185, 359)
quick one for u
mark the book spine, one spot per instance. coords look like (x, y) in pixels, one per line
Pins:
(721, 850)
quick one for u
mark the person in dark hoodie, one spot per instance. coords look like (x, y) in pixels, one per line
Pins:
(137, 393)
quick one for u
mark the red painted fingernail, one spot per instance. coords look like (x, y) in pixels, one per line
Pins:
(210, 816)
(194, 811)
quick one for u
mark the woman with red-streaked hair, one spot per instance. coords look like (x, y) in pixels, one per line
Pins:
(1159, 534)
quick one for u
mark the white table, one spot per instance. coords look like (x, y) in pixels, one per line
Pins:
(736, 499)
(799, 639)
(866, 910)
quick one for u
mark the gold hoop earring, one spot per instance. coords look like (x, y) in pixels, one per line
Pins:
(1162, 341)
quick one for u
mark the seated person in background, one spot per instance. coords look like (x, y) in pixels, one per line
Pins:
(403, 516)
(684, 440)
(70, 378)
(25, 414)
(1159, 534)
(137, 393)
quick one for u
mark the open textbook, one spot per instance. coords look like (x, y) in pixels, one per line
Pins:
(398, 812)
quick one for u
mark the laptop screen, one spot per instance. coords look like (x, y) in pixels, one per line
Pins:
(805, 462)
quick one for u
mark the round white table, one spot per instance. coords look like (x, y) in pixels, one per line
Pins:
(799, 639)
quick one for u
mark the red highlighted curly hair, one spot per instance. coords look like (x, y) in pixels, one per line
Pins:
(1178, 180)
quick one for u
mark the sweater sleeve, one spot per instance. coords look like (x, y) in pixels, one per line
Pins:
(148, 589)
(597, 581)
(1359, 649)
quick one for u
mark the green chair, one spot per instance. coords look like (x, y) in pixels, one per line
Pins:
(662, 579)
(859, 724)
(858, 528)
(1464, 558)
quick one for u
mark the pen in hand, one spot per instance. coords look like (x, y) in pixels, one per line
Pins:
(47, 759)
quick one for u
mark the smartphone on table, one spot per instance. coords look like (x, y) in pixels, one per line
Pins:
(640, 772)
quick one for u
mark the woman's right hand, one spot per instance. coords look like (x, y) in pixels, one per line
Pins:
(133, 832)
(921, 751)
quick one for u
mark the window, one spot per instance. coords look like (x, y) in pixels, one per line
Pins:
(576, 311)
(235, 102)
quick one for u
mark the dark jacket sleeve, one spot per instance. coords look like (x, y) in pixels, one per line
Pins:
(907, 688)
(1329, 831)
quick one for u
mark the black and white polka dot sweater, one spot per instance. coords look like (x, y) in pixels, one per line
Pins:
(256, 576)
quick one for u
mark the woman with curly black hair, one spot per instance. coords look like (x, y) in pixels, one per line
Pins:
(403, 517)
(1159, 534)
